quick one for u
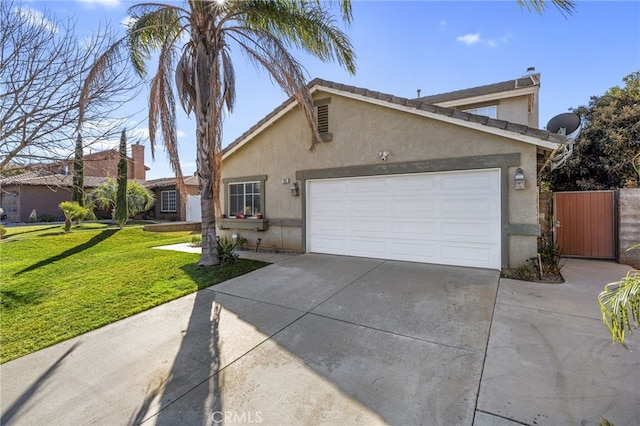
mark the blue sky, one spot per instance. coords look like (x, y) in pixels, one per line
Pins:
(437, 47)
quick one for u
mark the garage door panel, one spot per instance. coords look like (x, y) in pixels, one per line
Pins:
(368, 247)
(400, 206)
(421, 228)
(365, 208)
(451, 217)
(471, 182)
(412, 250)
(475, 231)
(411, 186)
(469, 254)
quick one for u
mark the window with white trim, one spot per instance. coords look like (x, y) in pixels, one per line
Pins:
(489, 111)
(168, 201)
(244, 198)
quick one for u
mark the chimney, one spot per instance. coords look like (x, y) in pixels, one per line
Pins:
(531, 70)
(137, 154)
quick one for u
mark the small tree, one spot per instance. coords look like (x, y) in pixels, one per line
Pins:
(121, 211)
(72, 211)
(78, 172)
(139, 198)
(605, 153)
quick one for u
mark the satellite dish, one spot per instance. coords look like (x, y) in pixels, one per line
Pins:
(564, 124)
(569, 125)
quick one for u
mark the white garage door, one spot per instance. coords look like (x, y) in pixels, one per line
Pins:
(450, 218)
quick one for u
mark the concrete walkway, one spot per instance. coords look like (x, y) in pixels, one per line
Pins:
(327, 339)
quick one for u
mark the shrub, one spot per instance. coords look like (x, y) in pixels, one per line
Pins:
(550, 256)
(525, 272)
(196, 241)
(3, 231)
(47, 218)
(72, 211)
(226, 251)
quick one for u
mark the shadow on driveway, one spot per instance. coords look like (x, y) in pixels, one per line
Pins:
(33, 389)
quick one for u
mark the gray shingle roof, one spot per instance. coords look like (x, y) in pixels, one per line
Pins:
(38, 178)
(171, 181)
(418, 104)
(504, 86)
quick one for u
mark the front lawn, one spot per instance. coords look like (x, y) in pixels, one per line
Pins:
(54, 286)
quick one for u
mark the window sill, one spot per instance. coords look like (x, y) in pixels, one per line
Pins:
(254, 224)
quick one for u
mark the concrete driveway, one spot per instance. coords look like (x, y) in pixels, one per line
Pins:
(337, 340)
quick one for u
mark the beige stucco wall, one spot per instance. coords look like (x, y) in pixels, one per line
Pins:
(360, 130)
(520, 109)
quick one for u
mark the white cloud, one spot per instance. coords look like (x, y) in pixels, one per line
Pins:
(469, 38)
(36, 18)
(443, 23)
(180, 134)
(127, 21)
(105, 3)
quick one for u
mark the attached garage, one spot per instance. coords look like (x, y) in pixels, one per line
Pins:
(451, 218)
(392, 178)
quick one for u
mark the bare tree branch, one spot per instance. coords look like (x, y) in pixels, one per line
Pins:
(43, 68)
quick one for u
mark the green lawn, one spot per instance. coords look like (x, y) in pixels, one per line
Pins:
(54, 286)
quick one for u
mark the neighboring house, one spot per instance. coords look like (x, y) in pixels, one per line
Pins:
(394, 178)
(170, 205)
(22, 194)
(43, 190)
(105, 163)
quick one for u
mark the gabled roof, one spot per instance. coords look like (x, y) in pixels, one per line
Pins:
(541, 138)
(52, 180)
(527, 81)
(171, 181)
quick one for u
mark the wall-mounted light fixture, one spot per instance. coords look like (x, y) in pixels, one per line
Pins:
(295, 189)
(518, 179)
(383, 155)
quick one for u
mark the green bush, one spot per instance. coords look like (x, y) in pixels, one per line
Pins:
(72, 211)
(226, 251)
(196, 241)
(47, 218)
(3, 231)
(525, 272)
(550, 256)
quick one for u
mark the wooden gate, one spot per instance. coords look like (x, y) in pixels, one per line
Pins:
(585, 223)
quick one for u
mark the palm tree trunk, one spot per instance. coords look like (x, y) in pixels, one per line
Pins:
(209, 256)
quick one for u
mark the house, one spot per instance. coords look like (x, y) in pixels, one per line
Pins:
(394, 178)
(44, 189)
(170, 204)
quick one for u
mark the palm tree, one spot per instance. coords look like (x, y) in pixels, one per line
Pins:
(194, 45)
(139, 198)
(620, 305)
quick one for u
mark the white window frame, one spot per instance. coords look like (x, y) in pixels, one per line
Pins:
(166, 201)
(490, 111)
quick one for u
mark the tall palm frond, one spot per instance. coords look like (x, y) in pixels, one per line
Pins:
(620, 306)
